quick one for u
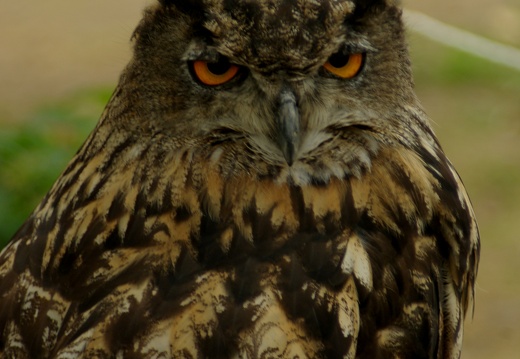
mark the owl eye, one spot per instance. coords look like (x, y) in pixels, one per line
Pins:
(343, 65)
(214, 73)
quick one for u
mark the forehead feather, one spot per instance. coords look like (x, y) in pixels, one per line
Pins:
(267, 34)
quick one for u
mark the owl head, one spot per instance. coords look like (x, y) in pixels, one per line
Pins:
(278, 83)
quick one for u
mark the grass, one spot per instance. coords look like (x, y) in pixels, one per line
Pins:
(34, 152)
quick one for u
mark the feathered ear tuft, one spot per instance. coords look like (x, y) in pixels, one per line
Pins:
(364, 6)
(191, 7)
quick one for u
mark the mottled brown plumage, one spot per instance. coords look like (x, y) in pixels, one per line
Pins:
(287, 213)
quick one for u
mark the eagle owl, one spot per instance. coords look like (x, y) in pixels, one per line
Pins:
(262, 184)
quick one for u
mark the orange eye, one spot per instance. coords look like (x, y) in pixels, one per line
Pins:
(214, 73)
(345, 66)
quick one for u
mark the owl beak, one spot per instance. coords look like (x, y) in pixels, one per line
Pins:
(288, 122)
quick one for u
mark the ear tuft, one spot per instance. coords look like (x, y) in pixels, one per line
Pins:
(190, 7)
(364, 6)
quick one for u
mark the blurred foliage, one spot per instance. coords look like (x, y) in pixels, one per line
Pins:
(34, 152)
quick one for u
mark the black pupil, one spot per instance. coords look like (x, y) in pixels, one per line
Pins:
(220, 67)
(339, 59)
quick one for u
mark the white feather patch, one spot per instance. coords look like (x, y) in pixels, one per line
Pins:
(357, 262)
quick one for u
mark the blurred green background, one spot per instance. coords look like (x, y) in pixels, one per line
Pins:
(60, 62)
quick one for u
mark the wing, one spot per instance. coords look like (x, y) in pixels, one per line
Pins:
(420, 234)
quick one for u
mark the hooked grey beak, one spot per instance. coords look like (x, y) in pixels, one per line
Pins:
(288, 124)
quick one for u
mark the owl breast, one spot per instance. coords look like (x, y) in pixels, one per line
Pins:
(252, 267)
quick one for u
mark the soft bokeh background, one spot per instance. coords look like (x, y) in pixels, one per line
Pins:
(60, 60)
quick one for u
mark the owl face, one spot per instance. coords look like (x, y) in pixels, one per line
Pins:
(283, 78)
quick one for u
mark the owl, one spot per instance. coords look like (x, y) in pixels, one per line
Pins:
(262, 184)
